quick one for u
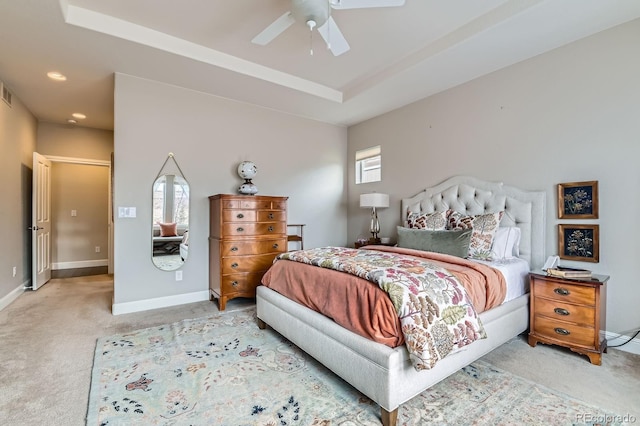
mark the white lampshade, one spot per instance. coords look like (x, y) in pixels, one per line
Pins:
(375, 199)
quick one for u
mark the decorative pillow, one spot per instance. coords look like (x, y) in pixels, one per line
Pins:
(436, 221)
(168, 229)
(506, 243)
(457, 220)
(484, 228)
(455, 243)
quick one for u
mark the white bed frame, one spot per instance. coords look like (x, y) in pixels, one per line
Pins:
(384, 374)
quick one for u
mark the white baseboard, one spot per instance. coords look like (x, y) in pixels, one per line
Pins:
(79, 264)
(616, 339)
(13, 295)
(159, 302)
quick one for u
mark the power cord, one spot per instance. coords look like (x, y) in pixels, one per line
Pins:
(622, 344)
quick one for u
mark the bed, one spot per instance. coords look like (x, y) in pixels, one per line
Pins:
(386, 374)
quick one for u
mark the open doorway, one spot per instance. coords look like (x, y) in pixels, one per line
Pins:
(81, 226)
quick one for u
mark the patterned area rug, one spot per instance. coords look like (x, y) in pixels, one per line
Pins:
(224, 370)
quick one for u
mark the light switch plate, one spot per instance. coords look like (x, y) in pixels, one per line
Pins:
(126, 212)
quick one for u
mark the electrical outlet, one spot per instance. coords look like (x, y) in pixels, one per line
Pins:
(15, 271)
(97, 249)
(178, 275)
(74, 213)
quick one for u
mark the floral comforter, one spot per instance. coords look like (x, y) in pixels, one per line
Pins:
(436, 314)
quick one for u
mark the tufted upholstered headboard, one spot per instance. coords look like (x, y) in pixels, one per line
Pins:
(524, 209)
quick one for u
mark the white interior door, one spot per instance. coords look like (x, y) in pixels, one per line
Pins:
(41, 221)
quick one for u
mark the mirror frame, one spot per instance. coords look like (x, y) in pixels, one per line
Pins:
(169, 253)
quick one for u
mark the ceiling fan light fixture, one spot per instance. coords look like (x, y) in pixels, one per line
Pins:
(316, 14)
(310, 10)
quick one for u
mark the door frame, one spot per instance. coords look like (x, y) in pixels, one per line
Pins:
(102, 163)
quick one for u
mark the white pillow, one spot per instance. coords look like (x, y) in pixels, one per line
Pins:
(506, 243)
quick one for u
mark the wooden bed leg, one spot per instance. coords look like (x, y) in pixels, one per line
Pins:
(261, 324)
(389, 418)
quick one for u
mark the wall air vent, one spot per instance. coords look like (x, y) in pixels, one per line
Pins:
(6, 94)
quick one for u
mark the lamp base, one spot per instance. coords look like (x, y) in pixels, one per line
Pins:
(373, 240)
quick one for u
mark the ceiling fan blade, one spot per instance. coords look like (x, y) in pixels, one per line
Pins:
(333, 37)
(363, 4)
(274, 30)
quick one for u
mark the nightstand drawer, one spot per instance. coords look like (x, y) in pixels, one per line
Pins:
(563, 291)
(564, 331)
(555, 309)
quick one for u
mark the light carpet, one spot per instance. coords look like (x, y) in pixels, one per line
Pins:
(224, 370)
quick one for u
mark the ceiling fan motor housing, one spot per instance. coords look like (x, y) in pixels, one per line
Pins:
(311, 10)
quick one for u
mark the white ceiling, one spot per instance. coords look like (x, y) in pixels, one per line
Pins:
(398, 54)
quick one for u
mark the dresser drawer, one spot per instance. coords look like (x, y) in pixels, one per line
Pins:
(272, 216)
(254, 204)
(254, 229)
(555, 309)
(241, 247)
(578, 294)
(255, 263)
(239, 215)
(577, 335)
(241, 283)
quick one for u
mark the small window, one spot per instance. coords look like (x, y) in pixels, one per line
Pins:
(369, 165)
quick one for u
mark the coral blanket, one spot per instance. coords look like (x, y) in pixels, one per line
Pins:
(435, 313)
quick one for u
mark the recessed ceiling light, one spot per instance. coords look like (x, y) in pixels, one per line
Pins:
(79, 116)
(55, 75)
(72, 121)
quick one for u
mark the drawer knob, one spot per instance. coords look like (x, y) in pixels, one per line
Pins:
(561, 311)
(275, 245)
(270, 228)
(234, 265)
(562, 291)
(234, 248)
(234, 283)
(270, 215)
(240, 216)
(562, 331)
(240, 229)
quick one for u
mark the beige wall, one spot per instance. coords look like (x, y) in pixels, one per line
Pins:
(74, 141)
(567, 115)
(299, 158)
(18, 130)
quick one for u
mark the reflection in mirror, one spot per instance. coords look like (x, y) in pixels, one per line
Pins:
(170, 222)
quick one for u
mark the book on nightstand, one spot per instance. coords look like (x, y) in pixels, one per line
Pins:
(564, 272)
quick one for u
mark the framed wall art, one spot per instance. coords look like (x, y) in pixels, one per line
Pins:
(578, 200)
(579, 242)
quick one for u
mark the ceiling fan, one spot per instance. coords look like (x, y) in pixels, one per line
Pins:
(317, 14)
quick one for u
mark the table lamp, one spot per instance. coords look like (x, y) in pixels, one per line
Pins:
(374, 201)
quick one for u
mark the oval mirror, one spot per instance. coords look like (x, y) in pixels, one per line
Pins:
(170, 229)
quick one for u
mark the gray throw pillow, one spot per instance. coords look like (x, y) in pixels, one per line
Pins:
(455, 243)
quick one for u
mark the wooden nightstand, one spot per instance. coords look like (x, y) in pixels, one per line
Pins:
(358, 244)
(570, 313)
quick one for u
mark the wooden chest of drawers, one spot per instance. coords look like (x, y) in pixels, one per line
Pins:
(570, 313)
(245, 234)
